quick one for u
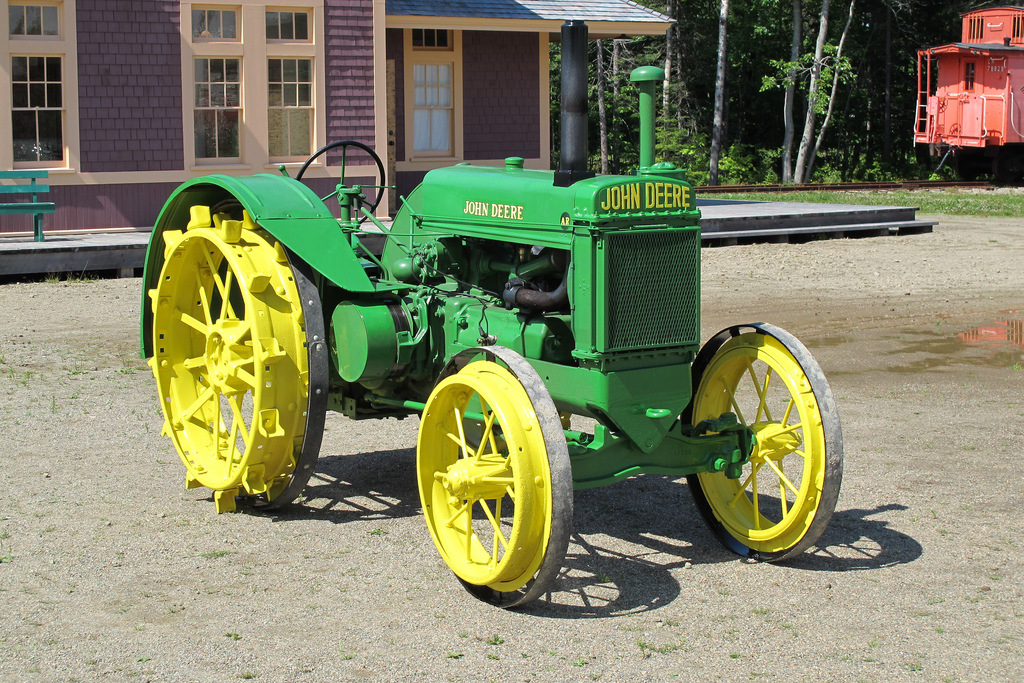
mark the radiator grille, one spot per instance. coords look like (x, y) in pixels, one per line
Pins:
(653, 294)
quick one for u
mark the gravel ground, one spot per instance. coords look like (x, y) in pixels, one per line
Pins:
(109, 568)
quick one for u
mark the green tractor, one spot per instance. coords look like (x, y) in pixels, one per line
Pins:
(500, 303)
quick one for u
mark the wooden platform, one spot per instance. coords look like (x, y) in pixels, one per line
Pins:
(724, 222)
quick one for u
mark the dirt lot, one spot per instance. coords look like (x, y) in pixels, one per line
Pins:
(109, 568)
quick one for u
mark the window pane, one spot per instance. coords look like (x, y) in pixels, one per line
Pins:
(276, 142)
(305, 71)
(206, 134)
(298, 131)
(305, 95)
(273, 31)
(51, 136)
(50, 25)
(53, 95)
(216, 71)
(33, 20)
(227, 133)
(213, 23)
(291, 95)
(275, 96)
(37, 68)
(37, 94)
(53, 69)
(19, 68)
(199, 23)
(289, 70)
(431, 74)
(231, 69)
(202, 95)
(442, 38)
(202, 71)
(417, 37)
(16, 16)
(419, 96)
(217, 95)
(444, 74)
(444, 97)
(229, 24)
(287, 27)
(419, 72)
(274, 70)
(24, 125)
(431, 97)
(439, 129)
(301, 26)
(421, 130)
(19, 95)
(232, 95)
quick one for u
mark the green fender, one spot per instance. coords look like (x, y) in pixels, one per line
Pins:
(282, 206)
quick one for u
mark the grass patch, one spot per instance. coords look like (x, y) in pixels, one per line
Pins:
(952, 202)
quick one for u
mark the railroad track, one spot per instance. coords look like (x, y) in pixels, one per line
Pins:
(843, 187)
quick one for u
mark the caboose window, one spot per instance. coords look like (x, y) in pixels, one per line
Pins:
(969, 76)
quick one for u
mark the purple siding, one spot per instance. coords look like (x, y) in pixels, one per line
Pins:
(87, 207)
(349, 51)
(129, 85)
(501, 95)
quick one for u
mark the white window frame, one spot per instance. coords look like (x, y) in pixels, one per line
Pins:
(63, 45)
(416, 56)
(254, 51)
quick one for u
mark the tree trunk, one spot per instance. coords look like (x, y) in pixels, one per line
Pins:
(602, 109)
(719, 120)
(800, 172)
(616, 163)
(832, 93)
(787, 107)
(887, 114)
(670, 47)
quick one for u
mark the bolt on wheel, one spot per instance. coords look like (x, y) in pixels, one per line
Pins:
(787, 492)
(239, 381)
(495, 481)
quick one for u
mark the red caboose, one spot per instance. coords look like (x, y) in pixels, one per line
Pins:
(971, 95)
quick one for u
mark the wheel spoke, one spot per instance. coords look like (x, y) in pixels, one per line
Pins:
(754, 467)
(236, 412)
(732, 402)
(224, 304)
(202, 398)
(783, 478)
(497, 529)
(193, 363)
(196, 325)
(450, 522)
(462, 433)
(757, 506)
(762, 393)
(789, 410)
(488, 435)
(204, 298)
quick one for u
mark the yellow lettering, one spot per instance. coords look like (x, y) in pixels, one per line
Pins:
(519, 212)
(677, 196)
(634, 196)
(494, 210)
(649, 195)
(616, 193)
(686, 197)
(605, 205)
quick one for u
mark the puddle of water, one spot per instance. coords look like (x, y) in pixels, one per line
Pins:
(998, 344)
(999, 333)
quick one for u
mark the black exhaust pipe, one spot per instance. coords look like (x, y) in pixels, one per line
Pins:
(573, 161)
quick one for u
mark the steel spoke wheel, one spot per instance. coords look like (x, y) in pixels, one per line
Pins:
(239, 359)
(787, 492)
(494, 479)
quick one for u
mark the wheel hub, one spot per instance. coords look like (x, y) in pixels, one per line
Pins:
(473, 478)
(224, 355)
(774, 442)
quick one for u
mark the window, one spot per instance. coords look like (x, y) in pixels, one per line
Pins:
(432, 98)
(37, 114)
(969, 76)
(287, 25)
(218, 107)
(974, 28)
(34, 20)
(430, 38)
(432, 107)
(1018, 26)
(214, 24)
(290, 118)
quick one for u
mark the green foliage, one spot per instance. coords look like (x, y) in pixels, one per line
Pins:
(870, 136)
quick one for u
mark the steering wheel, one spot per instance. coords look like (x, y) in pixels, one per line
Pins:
(345, 144)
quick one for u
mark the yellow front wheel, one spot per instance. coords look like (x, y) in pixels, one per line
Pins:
(494, 478)
(787, 492)
(239, 358)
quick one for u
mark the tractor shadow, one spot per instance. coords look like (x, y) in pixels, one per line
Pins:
(632, 543)
(378, 485)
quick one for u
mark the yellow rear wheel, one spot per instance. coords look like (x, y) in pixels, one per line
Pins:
(494, 479)
(234, 365)
(787, 492)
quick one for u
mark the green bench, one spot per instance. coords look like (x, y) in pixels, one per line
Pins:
(34, 207)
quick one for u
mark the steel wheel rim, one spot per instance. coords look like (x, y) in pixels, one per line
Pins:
(229, 355)
(461, 464)
(790, 437)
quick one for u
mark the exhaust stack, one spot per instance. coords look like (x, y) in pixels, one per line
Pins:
(573, 160)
